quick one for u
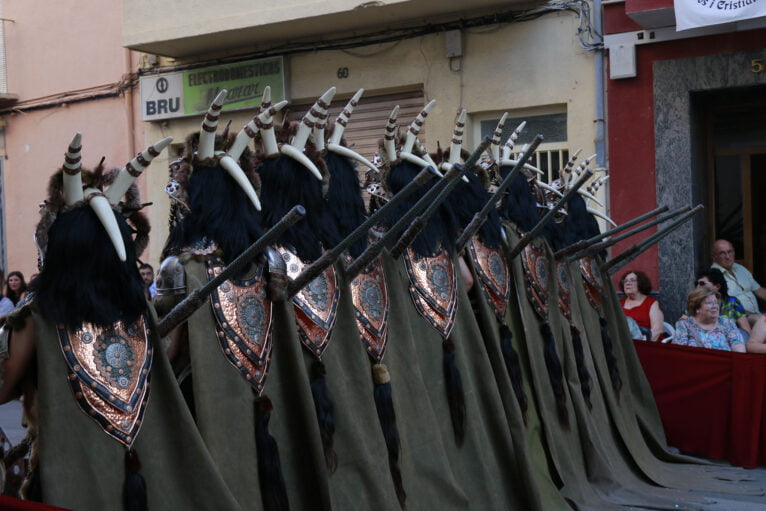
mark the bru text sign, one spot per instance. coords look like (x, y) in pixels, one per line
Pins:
(190, 92)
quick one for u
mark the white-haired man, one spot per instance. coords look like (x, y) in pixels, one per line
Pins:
(739, 280)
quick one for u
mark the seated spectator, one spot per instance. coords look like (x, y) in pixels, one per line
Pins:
(16, 287)
(641, 307)
(6, 305)
(706, 328)
(740, 281)
(757, 341)
(730, 307)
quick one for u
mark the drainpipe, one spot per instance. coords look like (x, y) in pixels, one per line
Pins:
(600, 89)
(129, 105)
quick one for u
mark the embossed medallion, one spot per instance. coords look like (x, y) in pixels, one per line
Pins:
(316, 305)
(536, 278)
(494, 276)
(433, 288)
(109, 374)
(594, 286)
(242, 312)
(371, 308)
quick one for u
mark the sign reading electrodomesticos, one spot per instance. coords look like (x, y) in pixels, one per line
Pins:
(185, 93)
(701, 13)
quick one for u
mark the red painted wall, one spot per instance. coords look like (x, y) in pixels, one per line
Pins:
(630, 122)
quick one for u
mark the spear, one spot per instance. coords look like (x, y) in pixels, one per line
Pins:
(598, 247)
(529, 236)
(631, 253)
(313, 270)
(192, 302)
(481, 216)
(431, 198)
(579, 245)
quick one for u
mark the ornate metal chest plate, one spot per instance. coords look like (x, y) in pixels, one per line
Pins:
(371, 307)
(594, 286)
(536, 278)
(493, 274)
(109, 372)
(316, 305)
(242, 312)
(433, 289)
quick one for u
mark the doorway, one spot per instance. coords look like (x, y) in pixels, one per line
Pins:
(736, 142)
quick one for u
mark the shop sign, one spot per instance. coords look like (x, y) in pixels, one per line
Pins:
(185, 93)
(701, 13)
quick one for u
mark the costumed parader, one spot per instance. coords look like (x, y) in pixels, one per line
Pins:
(118, 435)
(227, 349)
(356, 472)
(449, 348)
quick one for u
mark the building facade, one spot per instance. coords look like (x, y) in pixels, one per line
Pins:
(686, 125)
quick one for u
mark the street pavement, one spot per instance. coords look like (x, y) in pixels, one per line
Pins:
(10, 422)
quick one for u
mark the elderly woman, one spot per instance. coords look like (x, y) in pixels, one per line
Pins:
(706, 328)
(644, 309)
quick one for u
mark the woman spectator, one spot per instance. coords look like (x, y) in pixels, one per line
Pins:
(730, 307)
(16, 288)
(644, 309)
(706, 328)
(6, 305)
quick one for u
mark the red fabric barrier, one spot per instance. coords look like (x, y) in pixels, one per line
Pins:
(711, 401)
(11, 504)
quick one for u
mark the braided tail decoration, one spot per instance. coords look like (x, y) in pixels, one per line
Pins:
(512, 365)
(134, 488)
(582, 371)
(273, 490)
(555, 373)
(384, 404)
(325, 413)
(455, 394)
(611, 359)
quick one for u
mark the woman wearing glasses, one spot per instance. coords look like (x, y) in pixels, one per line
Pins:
(644, 309)
(706, 328)
(730, 307)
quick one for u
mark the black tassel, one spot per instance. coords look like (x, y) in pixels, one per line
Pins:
(325, 414)
(513, 367)
(582, 370)
(384, 403)
(273, 490)
(455, 395)
(611, 359)
(134, 488)
(555, 373)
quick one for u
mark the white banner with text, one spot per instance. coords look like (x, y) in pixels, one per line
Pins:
(702, 13)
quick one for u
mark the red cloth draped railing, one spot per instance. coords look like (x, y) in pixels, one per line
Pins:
(711, 402)
(11, 504)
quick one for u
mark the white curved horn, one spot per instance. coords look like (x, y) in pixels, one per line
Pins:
(100, 205)
(512, 138)
(495, 147)
(301, 158)
(414, 129)
(590, 196)
(417, 160)
(601, 215)
(546, 186)
(353, 155)
(265, 123)
(209, 125)
(73, 171)
(235, 171)
(456, 144)
(245, 135)
(265, 99)
(389, 138)
(342, 120)
(307, 123)
(130, 172)
(423, 153)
